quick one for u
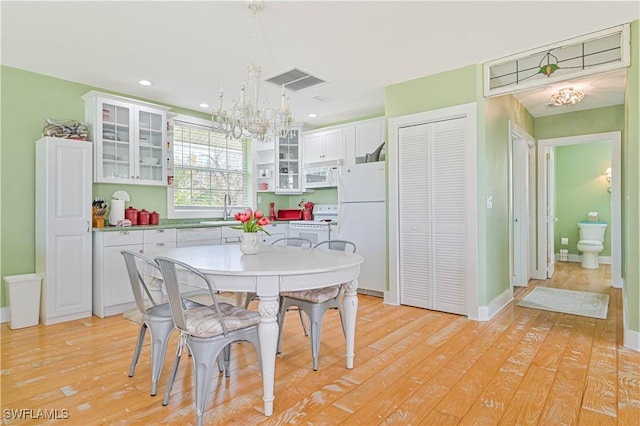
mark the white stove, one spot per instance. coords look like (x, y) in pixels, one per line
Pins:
(318, 229)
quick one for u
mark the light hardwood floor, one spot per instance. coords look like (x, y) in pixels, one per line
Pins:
(412, 366)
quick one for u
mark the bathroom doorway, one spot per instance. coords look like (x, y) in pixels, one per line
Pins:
(545, 252)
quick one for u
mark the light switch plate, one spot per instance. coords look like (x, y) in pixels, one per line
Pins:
(489, 201)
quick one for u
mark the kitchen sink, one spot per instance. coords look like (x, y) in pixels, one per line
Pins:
(221, 222)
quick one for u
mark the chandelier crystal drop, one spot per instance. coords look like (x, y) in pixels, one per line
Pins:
(248, 117)
(569, 96)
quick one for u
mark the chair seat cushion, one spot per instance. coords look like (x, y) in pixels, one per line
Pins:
(202, 321)
(318, 295)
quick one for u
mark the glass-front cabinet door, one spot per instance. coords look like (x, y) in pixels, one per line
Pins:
(130, 139)
(113, 142)
(288, 160)
(151, 155)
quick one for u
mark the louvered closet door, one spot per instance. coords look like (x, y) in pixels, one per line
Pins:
(415, 216)
(432, 201)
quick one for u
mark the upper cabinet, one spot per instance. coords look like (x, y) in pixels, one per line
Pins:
(323, 146)
(130, 139)
(288, 177)
(363, 139)
(264, 163)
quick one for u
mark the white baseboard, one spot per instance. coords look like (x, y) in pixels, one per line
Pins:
(606, 260)
(485, 313)
(632, 339)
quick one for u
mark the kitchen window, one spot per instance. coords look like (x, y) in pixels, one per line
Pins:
(206, 167)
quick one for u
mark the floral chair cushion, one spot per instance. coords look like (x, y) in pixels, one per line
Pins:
(314, 296)
(203, 321)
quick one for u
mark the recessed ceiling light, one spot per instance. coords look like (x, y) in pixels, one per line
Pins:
(203, 105)
(313, 115)
(145, 82)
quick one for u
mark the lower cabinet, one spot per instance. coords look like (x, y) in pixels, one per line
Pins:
(277, 231)
(111, 287)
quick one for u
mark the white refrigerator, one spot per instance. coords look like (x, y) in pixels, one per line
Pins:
(362, 219)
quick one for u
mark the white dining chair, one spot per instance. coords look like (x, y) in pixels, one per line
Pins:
(205, 330)
(316, 302)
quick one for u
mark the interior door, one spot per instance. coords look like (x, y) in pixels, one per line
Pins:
(551, 209)
(433, 216)
(520, 197)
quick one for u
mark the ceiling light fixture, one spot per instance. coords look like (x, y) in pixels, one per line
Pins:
(203, 105)
(247, 117)
(144, 83)
(313, 115)
(568, 96)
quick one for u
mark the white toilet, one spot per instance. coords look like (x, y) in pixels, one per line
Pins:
(591, 242)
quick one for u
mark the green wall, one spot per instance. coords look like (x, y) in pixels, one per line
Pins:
(580, 188)
(597, 120)
(499, 111)
(26, 99)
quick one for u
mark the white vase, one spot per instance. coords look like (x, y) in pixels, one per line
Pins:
(250, 243)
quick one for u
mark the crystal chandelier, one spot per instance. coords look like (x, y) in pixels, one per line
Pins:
(568, 96)
(247, 116)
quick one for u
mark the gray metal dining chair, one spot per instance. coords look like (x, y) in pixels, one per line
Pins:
(204, 330)
(286, 241)
(316, 302)
(146, 283)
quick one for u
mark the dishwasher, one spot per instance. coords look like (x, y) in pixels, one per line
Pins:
(187, 237)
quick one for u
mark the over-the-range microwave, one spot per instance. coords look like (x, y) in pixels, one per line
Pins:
(321, 177)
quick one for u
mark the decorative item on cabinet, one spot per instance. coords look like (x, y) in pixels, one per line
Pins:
(143, 217)
(154, 218)
(131, 214)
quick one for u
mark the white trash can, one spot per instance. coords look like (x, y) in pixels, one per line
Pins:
(23, 295)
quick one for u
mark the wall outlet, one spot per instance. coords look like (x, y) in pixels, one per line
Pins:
(259, 199)
(564, 241)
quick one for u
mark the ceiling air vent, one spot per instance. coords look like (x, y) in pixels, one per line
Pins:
(295, 80)
(590, 54)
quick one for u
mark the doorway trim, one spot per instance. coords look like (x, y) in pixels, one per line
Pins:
(616, 200)
(526, 174)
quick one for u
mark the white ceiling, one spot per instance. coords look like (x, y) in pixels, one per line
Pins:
(190, 49)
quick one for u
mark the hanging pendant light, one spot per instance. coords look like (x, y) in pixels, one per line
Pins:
(247, 116)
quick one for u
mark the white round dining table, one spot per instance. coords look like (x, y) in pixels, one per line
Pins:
(272, 270)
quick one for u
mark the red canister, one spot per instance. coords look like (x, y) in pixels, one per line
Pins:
(143, 217)
(154, 218)
(131, 214)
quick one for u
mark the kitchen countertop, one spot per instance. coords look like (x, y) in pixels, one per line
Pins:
(180, 223)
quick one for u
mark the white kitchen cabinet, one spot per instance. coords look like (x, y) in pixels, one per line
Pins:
(362, 138)
(63, 228)
(158, 238)
(288, 177)
(187, 237)
(322, 146)
(111, 287)
(130, 139)
(230, 235)
(264, 165)
(277, 231)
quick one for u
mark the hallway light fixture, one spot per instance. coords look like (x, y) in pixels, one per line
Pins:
(568, 96)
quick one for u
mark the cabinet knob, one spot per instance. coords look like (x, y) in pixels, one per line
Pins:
(160, 231)
(124, 232)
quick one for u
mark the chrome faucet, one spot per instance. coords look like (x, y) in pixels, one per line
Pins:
(227, 211)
